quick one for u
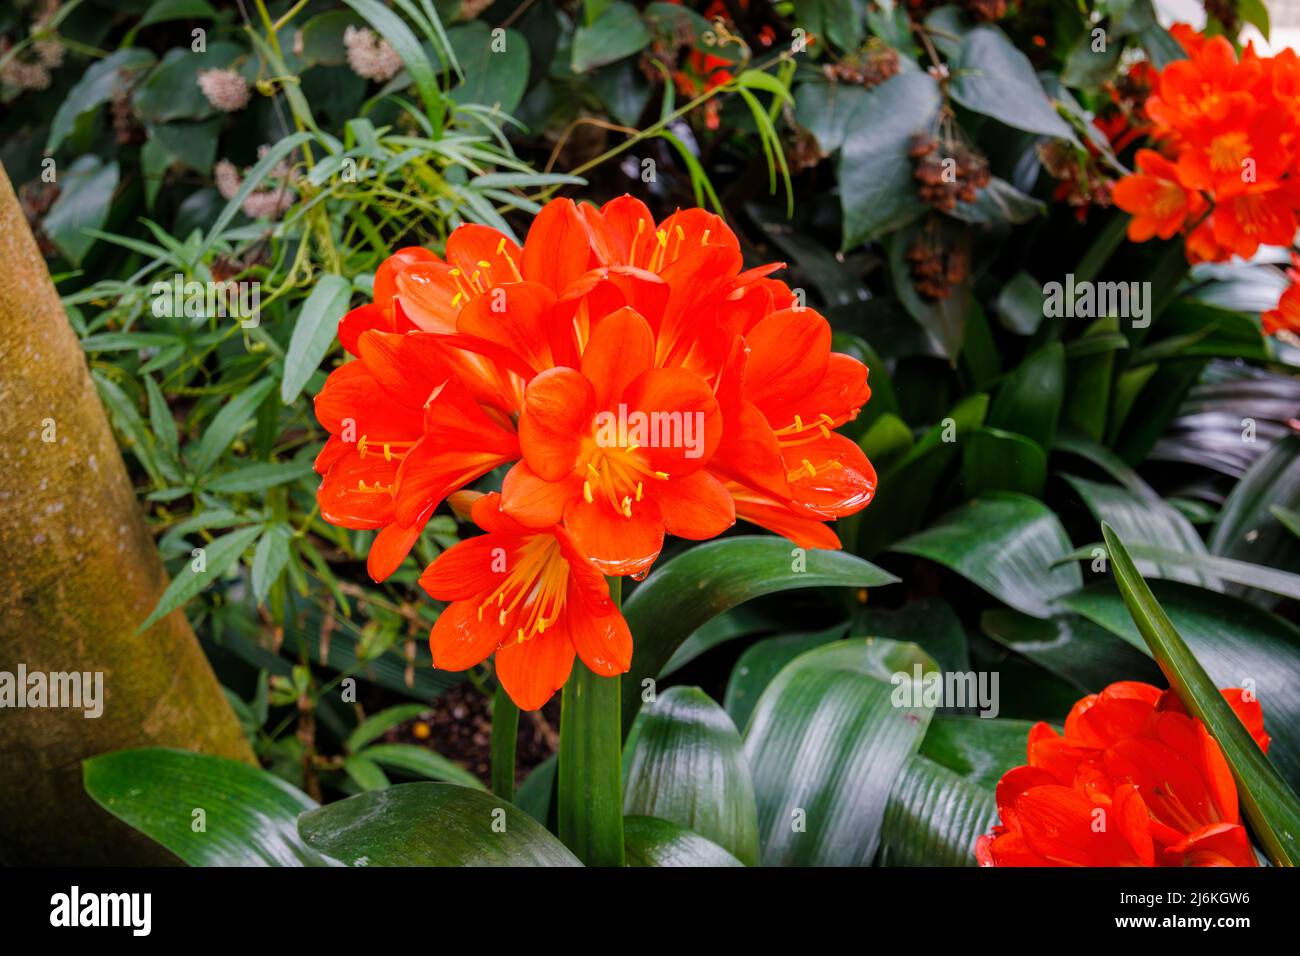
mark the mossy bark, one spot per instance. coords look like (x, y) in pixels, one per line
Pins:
(78, 573)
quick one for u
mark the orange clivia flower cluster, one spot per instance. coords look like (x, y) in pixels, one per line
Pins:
(1226, 173)
(637, 381)
(1134, 781)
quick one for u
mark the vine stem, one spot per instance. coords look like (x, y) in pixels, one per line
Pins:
(590, 785)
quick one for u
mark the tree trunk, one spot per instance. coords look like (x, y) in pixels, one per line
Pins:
(78, 573)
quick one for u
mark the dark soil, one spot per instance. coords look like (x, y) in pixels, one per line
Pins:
(459, 727)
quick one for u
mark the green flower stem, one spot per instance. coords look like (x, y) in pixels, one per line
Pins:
(505, 730)
(590, 772)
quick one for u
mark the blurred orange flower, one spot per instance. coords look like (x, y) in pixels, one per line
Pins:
(1134, 781)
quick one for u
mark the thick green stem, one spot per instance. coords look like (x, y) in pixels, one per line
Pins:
(505, 730)
(590, 771)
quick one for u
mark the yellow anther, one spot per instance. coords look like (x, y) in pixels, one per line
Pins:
(798, 424)
(704, 239)
(595, 472)
(633, 447)
(826, 418)
(638, 490)
(661, 475)
(501, 246)
(627, 507)
(826, 432)
(808, 467)
(455, 299)
(484, 264)
(662, 236)
(586, 491)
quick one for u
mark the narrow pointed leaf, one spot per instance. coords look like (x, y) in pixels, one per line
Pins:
(1269, 804)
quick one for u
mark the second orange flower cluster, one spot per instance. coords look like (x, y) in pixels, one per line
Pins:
(1134, 781)
(637, 382)
(1225, 173)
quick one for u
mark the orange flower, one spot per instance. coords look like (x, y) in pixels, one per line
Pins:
(1287, 314)
(531, 597)
(404, 433)
(641, 384)
(1134, 781)
(617, 448)
(1159, 203)
(1231, 126)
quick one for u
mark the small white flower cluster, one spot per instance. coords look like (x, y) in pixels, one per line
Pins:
(33, 73)
(267, 203)
(369, 56)
(225, 89)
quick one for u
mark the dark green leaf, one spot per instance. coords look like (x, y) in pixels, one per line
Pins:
(1007, 545)
(655, 842)
(828, 738)
(688, 767)
(1269, 804)
(431, 824)
(689, 590)
(248, 815)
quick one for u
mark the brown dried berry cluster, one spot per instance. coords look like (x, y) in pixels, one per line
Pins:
(935, 268)
(947, 174)
(872, 65)
(1082, 182)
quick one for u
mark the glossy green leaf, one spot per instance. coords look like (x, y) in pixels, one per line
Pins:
(86, 191)
(247, 815)
(1247, 529)
(1269, 804)
(997, 460)
(930, 623)
(655, 842)
(1088, 380)
(616, 33)
(259, 477)
(992, 77)
(495, 76)
(1148, 521)
(431, 824)
(877, 192)
(907, 491)
(727, 626)
(934, 817)
(1238, 644)
(1179, 565)
(378, 724)
(825, 745)
(313, 333)
(1084, 653)
(762, 661)
(98, 84)
(688, 766)
(1029, 401)
(422, 762)
(977, 749)
(683, 594)
(1007, 545)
